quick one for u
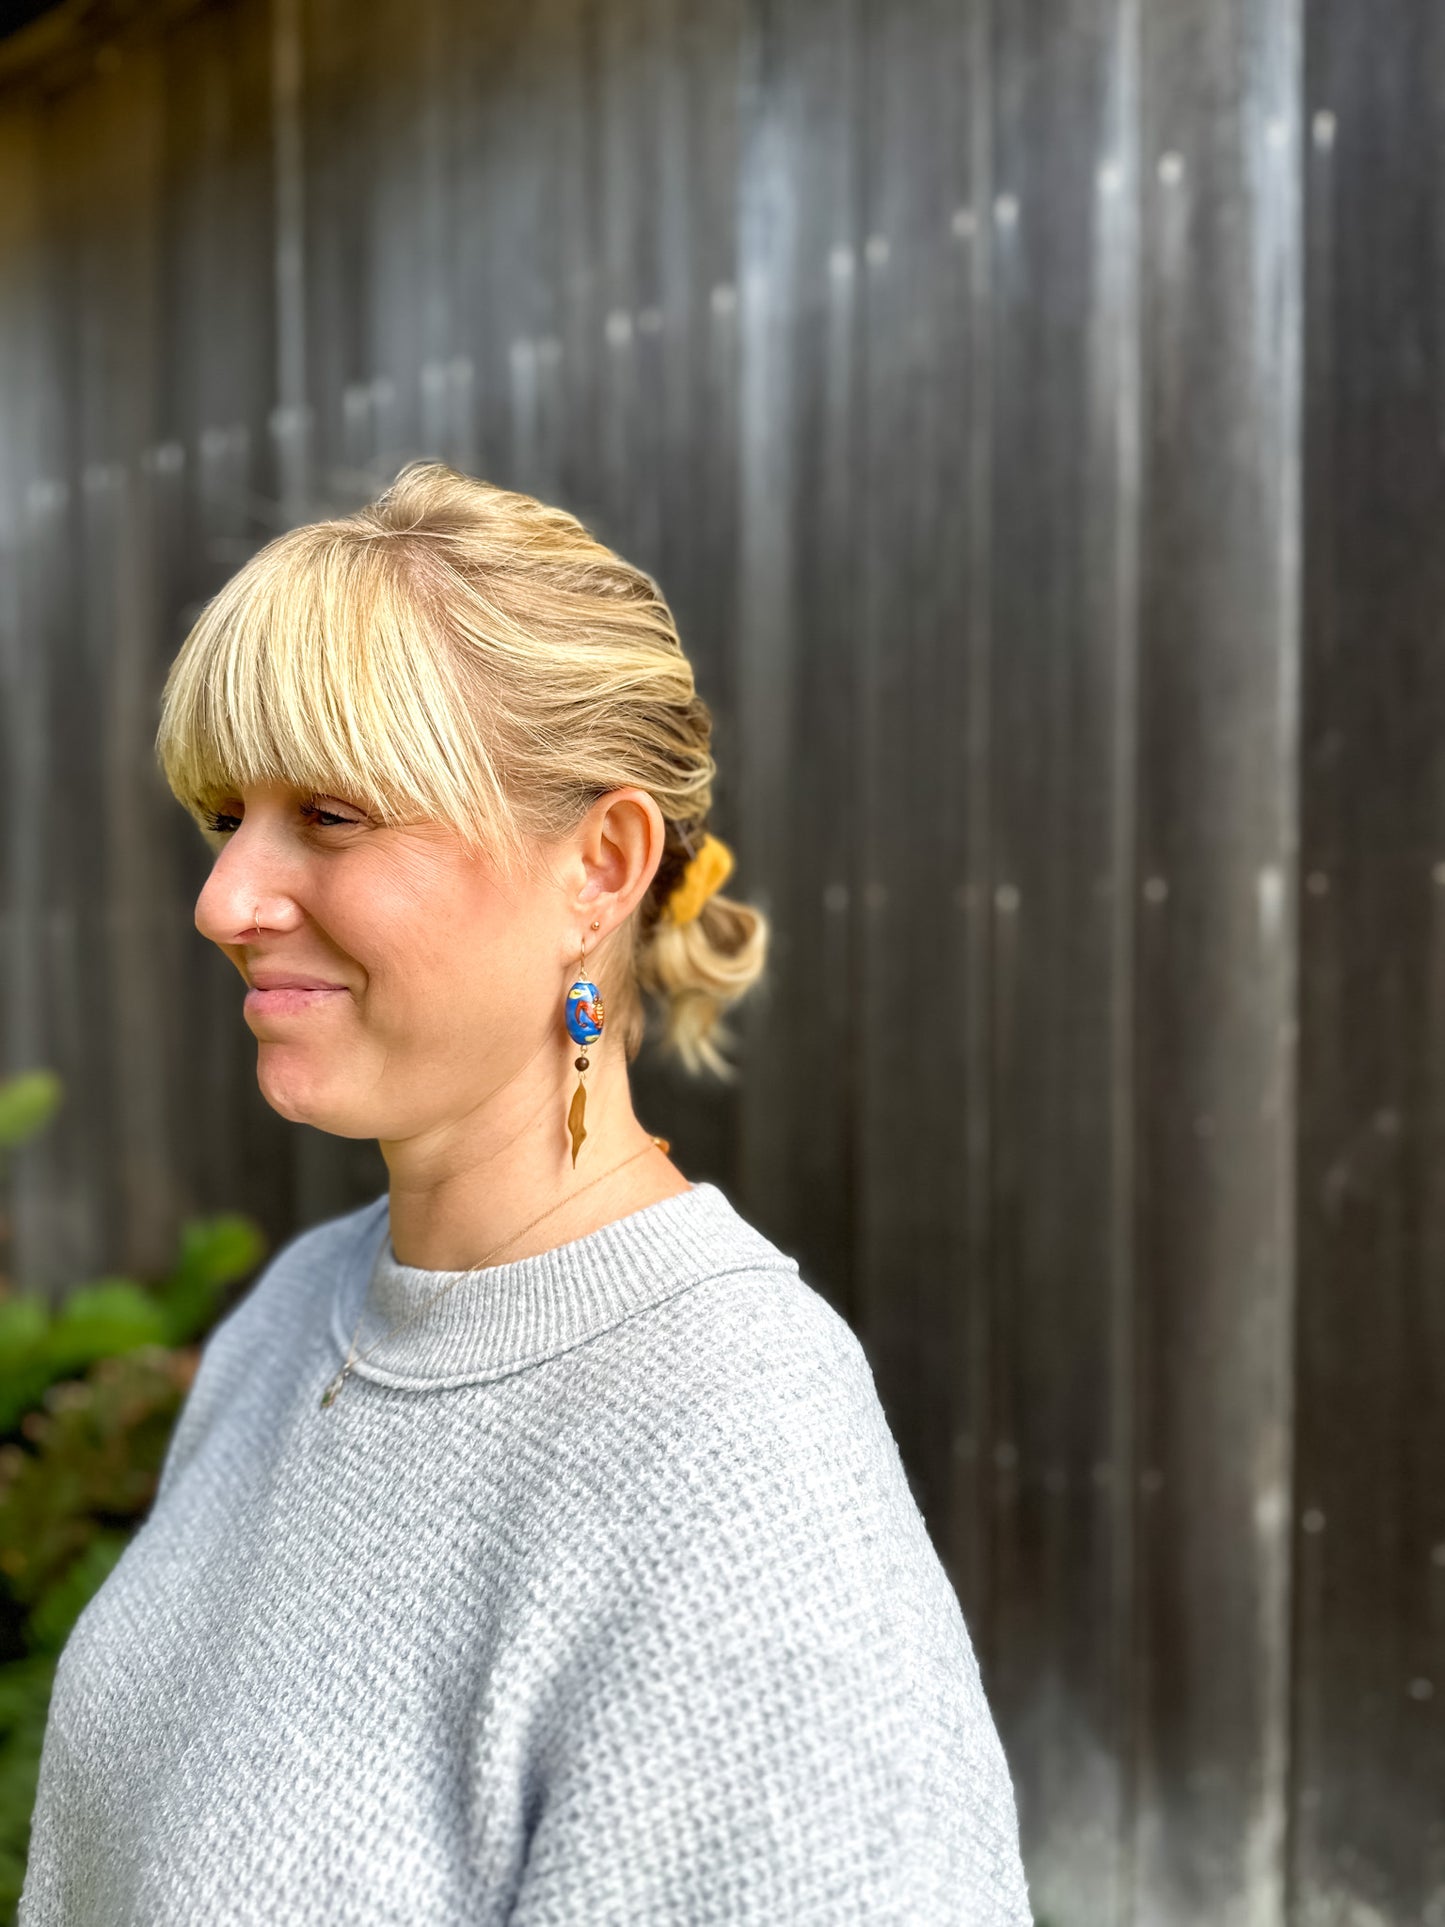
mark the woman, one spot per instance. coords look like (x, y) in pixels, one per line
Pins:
(532, 1546)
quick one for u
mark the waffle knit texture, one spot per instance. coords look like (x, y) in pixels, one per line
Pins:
(598, 1598)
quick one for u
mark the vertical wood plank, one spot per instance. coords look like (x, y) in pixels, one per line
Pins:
(128, 986)
(341, 371)
(23, 667)
(700, 264)
(1368, 1820)
(967, 440)
(815, 1030)
(69, 1229)
(1217, 847)
(766, 633)
(1065, 349)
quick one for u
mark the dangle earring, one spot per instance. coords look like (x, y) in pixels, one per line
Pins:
(584, 1024)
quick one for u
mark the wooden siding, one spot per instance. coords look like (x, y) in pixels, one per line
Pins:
(1034, 415)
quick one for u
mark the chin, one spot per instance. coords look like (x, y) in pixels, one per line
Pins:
(296, 1093)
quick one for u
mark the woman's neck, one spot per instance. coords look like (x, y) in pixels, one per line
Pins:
(467, 1194)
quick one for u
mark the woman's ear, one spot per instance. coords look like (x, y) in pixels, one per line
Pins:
(621, 845)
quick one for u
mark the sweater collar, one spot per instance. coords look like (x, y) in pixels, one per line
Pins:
(505, 1317)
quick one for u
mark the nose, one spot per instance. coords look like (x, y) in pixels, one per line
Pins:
(246, 890)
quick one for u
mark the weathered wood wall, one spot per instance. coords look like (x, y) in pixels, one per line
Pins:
(1035, 415)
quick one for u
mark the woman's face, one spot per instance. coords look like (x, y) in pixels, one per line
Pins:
(436, 982)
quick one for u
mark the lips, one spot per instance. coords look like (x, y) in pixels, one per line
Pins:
(287, 980)
(276, 1000)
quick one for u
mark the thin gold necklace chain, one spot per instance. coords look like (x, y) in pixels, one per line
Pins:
(329, 1395)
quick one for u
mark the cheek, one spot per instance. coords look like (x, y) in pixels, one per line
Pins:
(447, 977)
(402, 925)
(441, 951)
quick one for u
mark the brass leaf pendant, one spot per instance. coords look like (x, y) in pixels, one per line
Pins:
(574, 1118)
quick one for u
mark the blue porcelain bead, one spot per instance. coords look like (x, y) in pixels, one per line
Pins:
(584, 1012)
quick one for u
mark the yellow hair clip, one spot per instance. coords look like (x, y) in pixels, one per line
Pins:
(706, 871)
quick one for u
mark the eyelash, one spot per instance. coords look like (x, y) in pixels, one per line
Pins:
(218, 820)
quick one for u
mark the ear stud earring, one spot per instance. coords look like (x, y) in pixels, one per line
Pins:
(584, 1017)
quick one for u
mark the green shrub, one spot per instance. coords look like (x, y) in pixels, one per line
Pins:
(89, 1394)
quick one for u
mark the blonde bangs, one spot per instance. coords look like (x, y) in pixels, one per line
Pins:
(319, 664)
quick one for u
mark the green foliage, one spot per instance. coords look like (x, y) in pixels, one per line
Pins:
(28, 1101)
(24, 1701)
(89, 1394)
(95, 1452)
(66, 1598)
(215, 1253)
(113, 1316)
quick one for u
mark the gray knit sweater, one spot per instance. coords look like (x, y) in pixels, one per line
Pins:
(598, 1597)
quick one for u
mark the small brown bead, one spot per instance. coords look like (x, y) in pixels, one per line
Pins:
(582, 1063)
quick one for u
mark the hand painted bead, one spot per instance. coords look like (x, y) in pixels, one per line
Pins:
(584, 1012)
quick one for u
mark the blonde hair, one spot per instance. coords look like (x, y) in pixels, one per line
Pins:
(460, 652)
